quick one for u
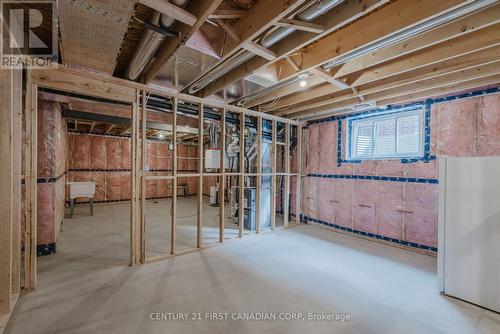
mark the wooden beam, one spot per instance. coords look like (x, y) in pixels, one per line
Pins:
(142, 102)
(259, 50)
(454, 29)
(384, 22)
(424, 64)
(201, 9)
(292, 63)
(92, 126)
(462, 45)
(7, 147)
(199, 218)
(110, 127)
(488, 74)
(329, 78)
(228, 29)
(222, 178)
(302, 25)
(274, 178)
(259, 175)
(260, 18)
(228, 14)
(90, 85)
(298, 180)
(241, 160)
(173, 226)
(168, 8)
(286, 201)
(347, 12)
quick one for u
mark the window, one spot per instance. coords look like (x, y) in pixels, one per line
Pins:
(392, 136)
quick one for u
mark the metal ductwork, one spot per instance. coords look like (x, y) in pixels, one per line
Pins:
(150, 43)
(313, 11)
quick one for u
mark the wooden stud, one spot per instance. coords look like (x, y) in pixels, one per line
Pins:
(274, 178)
(143, 192)
(16, 179)
(259, 174)
(6, 182)
(174, 191)
(167, 8)
(286, 201)
(31, 201)
(228, 14)
(228, 29)
(222, 182)
(241, 204)
(199, 221)
(302, 25)
(259, 50)
(133, 175)
(298, 180)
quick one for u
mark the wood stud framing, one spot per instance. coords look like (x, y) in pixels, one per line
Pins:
(88, 84)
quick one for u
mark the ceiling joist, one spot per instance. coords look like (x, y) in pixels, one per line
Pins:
(175, 12)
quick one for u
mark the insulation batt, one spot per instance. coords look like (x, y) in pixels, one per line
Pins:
(406, 211)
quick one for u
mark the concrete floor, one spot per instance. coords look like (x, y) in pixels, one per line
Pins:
(87, 288)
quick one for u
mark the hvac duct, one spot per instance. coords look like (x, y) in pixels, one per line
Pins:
(150, 43)
(312, 12)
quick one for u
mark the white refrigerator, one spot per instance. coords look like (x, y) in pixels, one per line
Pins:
(469, 230)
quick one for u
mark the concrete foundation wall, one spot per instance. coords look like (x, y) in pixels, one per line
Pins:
(401, 210)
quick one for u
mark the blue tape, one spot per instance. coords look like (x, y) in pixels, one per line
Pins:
(376, 178)
(371, 235)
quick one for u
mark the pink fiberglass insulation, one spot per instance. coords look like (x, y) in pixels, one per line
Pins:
(326, 199)
(126, 151)
(312, 197)
(163, 189)
(182, 154)
(162, 161)
(45, 213)
(489, 125)
(421, 219)
(363, 213)
(113, 153)
(368, 167)
(293, 183)
(152, 154)
(389, 206)
(193, 185)
(46, 138)
(343, 202)
(327, 147)
(100, 185)
(312, 157)
(151, 189)
(390, 168)
(59, 205)
(305, 150)
(421, 169)
(457, 121)
(113, 186)
(193, 155)
(80, 151)
(125, 185)
(98, 152)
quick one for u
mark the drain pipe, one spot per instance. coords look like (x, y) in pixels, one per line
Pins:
(312, 12)
(150, 43)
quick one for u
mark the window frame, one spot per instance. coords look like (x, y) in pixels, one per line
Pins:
(377, 117)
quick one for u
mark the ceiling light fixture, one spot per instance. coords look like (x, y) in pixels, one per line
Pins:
(303, 83)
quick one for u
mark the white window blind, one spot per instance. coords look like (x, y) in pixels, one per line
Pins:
(395, 135)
